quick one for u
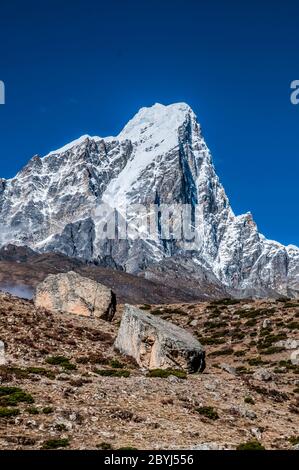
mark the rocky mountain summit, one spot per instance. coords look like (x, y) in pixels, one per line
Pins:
(160, 157)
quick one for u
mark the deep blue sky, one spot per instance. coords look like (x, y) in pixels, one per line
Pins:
(80, 66)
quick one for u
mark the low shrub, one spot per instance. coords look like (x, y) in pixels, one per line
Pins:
(116, 364)
(55, 444)
(210, 325)
(249, 400)
(239, 353)
(222, 352)
(47, 410)
(208, 412)
(210, 340)
(41, 371)
(272, 350)
(112, 372)
(255, 361)
(11, 396)
(251, 445)
(293, 325)
(164, 373)
(104, 446)
(251, 322)
(61, 361)
(8, 412)
(96, 358)
(145, 307)
(127, 448)
(294, 440)
(32, 410)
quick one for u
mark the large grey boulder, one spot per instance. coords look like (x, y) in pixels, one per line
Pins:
(155, 343)
(74, 294)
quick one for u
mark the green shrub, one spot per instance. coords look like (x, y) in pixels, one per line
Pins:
(11, 396)
(210, 340)
(41, 371)
(208, 412)
(249, 400)
(157, 311)
(48, 410)
(61, 361)
(272, 350)
(113, 372)
(269, 339)
(55, 443)
(32, 410)
(127, 448)
(8, 391)
(210, 325)
(251, 322)
(294, 440)
(278, 370)
(255, 361)
(293, 325)
(288, 365)
(145, 307)
(104, 446)
(95, 358)
(273, 394)
(8, 412)
(164, 373)
(251, 445)
(239, 353)
(116, 364)
(222, 352)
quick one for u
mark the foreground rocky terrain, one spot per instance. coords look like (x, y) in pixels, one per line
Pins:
(77, 392)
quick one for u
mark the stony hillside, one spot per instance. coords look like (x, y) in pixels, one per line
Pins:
(73, 390)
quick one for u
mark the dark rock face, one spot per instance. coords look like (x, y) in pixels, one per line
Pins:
(76, 240)
(157, 344)
(160, 157)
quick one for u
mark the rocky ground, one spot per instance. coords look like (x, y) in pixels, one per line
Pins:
(74, 391)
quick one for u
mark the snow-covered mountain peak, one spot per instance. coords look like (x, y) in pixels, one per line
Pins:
(157, 122)
(160, 157)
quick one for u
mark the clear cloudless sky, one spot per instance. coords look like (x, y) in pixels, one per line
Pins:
(74, 67)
